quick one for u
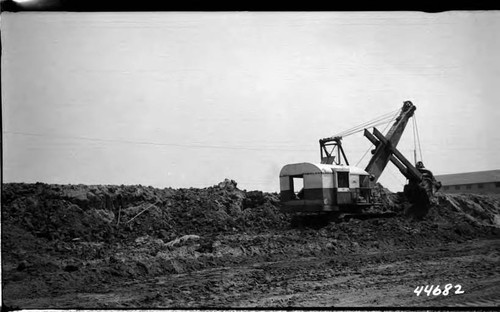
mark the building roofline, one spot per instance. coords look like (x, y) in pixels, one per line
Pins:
(486, 176)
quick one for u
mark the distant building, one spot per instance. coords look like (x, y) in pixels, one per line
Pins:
(479, 182)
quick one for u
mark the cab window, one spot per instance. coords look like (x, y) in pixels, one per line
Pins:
(343, 179)
(297, 186)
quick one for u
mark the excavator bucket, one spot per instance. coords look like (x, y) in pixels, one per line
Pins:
(419, 201)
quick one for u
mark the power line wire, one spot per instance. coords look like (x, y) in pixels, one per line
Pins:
(157, 143)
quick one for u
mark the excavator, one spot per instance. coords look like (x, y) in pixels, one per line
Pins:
(333, 186)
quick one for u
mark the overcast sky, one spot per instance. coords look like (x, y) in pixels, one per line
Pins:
(188, 99)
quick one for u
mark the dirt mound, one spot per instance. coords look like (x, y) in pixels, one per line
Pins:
(452, 217)
(480, 210)
(387, 200)
(109, 214)
(74, 235)
(95, 213)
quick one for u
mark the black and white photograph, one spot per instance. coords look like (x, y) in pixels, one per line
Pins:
(249, 159)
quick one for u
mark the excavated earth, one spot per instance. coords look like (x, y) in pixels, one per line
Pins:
(79, 246)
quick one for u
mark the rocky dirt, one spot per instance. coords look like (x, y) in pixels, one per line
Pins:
(79, 246)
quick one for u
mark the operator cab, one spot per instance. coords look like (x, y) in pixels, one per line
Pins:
(313, 188)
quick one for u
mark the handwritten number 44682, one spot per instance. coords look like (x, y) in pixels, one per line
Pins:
(438, 291)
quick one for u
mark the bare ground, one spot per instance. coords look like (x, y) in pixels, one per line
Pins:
(358, 279)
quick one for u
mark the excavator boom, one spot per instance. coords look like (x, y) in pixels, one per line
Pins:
(403, 164)
(383, 152)
(421, 182)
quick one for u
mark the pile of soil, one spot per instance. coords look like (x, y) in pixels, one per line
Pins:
(480, 210)
(106, 213)
(388, 200)
(116, 229)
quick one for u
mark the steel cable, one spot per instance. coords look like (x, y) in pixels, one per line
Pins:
(369, 148)
(382, 118)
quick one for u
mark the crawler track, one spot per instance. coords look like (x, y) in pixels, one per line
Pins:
(317, 221)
